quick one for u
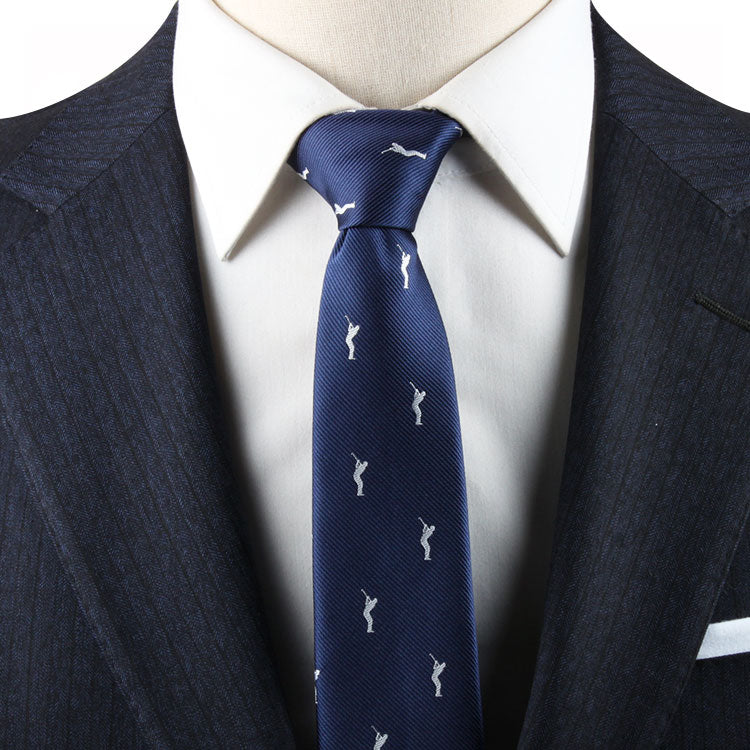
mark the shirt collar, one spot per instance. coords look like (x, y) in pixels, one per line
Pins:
(241, 104)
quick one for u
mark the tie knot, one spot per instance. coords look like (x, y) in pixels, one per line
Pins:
(375, 166)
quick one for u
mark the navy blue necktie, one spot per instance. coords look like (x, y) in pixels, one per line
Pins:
(395, 637)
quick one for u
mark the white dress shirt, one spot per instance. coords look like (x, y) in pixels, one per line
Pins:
(502, 238)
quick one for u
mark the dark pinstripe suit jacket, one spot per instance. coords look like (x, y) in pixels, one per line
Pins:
(129, 615)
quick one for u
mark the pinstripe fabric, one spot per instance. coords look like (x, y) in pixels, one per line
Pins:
(110, 400)
(713, 710)
(58, 676)
(129, 611)
(656, 481)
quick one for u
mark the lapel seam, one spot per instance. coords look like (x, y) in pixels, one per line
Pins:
(743, 233)
(127, 685)
(80, 189)
(41, 220)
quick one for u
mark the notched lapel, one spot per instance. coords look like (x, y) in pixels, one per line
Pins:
(108, 388)
(655, 489)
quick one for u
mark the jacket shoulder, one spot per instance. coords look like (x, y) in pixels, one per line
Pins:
(700, 138)
(48, 155)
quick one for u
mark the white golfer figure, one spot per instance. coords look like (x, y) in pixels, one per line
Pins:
(340, 209)
(379, 739)
(351, 332)
(405, 258)
(416, 401)
(369, 606)
(399, 149)
(304, 173)
(427, 532)
(437, 670)
(359, 468)
(315, 687)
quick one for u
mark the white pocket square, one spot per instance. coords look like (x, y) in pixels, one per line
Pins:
(725, 638)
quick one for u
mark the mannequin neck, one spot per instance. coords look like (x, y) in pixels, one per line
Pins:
(389, 53)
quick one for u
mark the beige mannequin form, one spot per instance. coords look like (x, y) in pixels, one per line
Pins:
(387, 53)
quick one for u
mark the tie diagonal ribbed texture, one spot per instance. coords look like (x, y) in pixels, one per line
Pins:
(395, 641)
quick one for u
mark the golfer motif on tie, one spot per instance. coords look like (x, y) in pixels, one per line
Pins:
(405, 258)
(437, 670)
(341, 209)
(416, 401)
(351, 332)
(427, 532)
(397, 148)
(380, 739)
(359, 468)
(369, 606)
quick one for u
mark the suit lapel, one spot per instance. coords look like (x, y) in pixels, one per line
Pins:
(654, 494)
(108, 390)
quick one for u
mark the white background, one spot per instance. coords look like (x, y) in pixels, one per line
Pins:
(51, 49)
